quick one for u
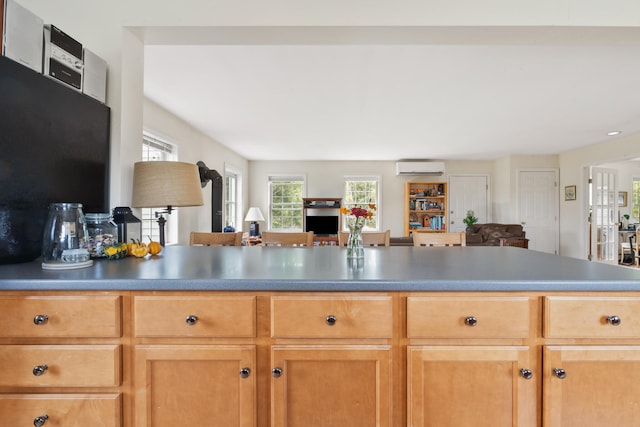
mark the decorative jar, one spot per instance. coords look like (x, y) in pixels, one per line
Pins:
(65, 235)
(102, 232)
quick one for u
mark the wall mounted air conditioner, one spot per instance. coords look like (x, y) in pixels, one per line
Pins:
(419, 168)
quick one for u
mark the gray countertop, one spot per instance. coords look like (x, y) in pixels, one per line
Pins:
(327, 269)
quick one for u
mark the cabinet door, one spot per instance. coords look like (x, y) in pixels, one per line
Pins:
(331, 386)
(470, 386)
(195, 385)
(591, 386)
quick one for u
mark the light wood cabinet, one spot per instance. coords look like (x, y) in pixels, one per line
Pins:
(592, 373)
(480, 386)
(470, 373)
(328, 385)
(591, 386)
(195, 360)
(468, 317)
(191, 385)
(62, 359)
(64, 316)
(60, 365)
(68, 410)
(276, 359)
(331, 317)
(195, 316)
(425, 207)
(331, 372)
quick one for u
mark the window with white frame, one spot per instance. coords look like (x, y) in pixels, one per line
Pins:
(285, 203)
(231, 198)
(156, 149)
(362, 191)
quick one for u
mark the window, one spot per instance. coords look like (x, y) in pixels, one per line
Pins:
(155, 149)
(285, 203)
(635, 199)
(359, 191)
(231, 199)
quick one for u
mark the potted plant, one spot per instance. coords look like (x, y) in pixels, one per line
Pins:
(470, 219)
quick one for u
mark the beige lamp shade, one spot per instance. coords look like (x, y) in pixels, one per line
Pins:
(254, 214)
(163, 184)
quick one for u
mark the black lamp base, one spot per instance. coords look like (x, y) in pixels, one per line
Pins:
(254, 229)
(161, 223)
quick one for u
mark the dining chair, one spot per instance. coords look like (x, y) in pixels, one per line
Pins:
(215, 239)
(278, 238)
(625, 248)
(440, 239)
(369, 238)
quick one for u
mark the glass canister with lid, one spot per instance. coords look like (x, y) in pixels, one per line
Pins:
(102, 232)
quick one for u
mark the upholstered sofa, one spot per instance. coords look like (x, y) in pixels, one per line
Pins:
(491, 234)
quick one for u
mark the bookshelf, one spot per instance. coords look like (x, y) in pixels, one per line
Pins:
(425, 207)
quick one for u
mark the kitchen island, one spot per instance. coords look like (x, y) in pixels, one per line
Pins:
(249, 336)
(327, 269)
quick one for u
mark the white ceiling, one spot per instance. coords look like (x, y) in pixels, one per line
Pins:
(389, 94)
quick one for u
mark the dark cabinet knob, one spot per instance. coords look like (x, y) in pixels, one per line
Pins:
(276, 372)
(527, 374)
(39, 421)
(245, 372)
(40, 319)
(614, 320)
(331, 320)
(560, 373)
(39, 370)
(471, 321)
(191, 320)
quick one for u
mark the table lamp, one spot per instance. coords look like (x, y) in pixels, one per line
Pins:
(254, 215)
(165, 185)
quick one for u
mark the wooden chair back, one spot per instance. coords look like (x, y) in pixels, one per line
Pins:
(369, 238)
(277, 238)
(215, 239)
(440, 239)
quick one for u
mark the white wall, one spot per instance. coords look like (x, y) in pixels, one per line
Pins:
(326, 179)
(192, 147)
(574, 214)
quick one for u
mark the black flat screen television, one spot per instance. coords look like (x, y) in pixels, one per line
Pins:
(322, 225)
(54, 147)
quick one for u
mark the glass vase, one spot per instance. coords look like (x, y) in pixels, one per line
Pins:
(355, 247)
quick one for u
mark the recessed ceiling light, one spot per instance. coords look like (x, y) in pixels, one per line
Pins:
(614, 133)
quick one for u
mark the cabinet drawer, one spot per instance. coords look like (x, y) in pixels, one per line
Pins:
(174, 316)
(468, 317)
(332, 317)
(61, 316)
(68, 410)
(591, 317)
(60, 365)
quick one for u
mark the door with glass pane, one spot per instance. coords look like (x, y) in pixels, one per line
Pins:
(604, 215)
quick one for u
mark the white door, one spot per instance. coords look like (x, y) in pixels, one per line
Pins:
(604, 214)
(468, 192)
(538, 208)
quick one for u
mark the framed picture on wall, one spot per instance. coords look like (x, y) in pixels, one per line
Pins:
(570, 192)
(622, 199)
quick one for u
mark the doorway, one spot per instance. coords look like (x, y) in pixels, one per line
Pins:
(603, 204)
(538, 208)
(468, 192)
